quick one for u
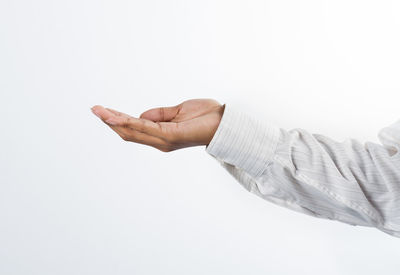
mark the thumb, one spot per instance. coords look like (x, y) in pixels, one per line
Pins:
(161, 113)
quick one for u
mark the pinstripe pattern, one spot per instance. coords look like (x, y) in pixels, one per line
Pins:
(351, 182)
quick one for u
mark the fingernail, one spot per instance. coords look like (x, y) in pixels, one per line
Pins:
(111, 121)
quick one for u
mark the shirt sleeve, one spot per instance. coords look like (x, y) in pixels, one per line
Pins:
(349, 181)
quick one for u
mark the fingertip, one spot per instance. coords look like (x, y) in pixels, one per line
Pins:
(96, 107)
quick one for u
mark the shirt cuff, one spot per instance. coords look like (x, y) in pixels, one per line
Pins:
(244, 140)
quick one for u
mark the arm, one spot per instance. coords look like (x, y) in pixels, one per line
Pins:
(348, 181)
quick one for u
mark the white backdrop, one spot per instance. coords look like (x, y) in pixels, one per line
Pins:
(77, 199)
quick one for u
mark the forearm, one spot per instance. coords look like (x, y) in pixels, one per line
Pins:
(347, 181)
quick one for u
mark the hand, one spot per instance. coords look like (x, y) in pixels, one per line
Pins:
(190, 123)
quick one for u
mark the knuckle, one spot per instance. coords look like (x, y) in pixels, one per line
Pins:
(162, 114)
(142, 125)
(126, 122)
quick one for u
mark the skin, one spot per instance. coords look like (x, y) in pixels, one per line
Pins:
(190, 123)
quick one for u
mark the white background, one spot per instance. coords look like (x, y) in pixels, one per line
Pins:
(76, 199)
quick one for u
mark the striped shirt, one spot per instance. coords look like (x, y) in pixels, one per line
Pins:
(351, 182)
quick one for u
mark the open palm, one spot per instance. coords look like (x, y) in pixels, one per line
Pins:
(190, 123)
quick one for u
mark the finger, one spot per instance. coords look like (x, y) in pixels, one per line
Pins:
(102, 112)
(142, 138)
(161, 113)
(115, 118)
(117, 113)
(138, 124)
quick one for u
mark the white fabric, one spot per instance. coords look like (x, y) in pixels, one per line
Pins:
(351, 182)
